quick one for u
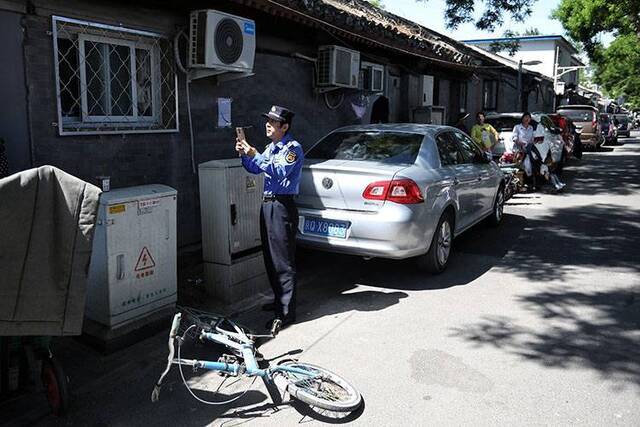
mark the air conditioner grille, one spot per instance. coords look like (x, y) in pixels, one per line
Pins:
(324, 66)
(343, 67)
(228, 41)
(200, 45)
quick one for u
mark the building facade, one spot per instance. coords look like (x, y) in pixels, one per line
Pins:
(98, 89)
(548, 50)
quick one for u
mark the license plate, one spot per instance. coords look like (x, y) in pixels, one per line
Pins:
(325, 227)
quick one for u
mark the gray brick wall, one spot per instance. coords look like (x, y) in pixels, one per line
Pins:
(165, 158)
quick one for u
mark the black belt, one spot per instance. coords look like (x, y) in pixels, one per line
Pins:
(279, 197)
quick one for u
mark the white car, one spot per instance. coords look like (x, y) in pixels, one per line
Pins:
(505, 122)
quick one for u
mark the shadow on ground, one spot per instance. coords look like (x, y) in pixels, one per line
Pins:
(616, 172)
(597, 330)
(555, 244)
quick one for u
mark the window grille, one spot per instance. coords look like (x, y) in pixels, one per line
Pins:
(112, 80)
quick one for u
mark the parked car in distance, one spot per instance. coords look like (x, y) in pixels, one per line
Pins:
(505, 122)
(396, 191)
(586, 118)
(624, 125)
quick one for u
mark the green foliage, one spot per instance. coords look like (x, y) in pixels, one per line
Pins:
(377, 3)
(462, 11)
(616, 66)
(511, 45)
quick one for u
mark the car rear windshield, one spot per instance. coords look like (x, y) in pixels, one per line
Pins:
(578, 115)
(503, 123)
(622, 119)
(377, 146)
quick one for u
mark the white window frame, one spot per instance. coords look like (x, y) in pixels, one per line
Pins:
(85, 117)
(110, 126)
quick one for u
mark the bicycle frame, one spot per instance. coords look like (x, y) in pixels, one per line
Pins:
(237, 341)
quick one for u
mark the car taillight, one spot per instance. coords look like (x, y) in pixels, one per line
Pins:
(403, 191)
(594, 122)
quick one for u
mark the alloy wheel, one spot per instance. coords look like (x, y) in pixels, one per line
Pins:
(444, 242)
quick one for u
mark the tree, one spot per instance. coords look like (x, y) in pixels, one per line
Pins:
(616, 66)
(377, 3)
(512, 44)
(462, 11)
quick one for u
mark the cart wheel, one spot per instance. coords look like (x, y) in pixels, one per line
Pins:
(55, 386)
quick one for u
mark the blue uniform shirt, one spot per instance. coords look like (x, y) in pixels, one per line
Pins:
(282, 166)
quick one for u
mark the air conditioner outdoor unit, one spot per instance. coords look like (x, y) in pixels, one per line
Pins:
(221, 41)
(372, 77)
(338, 66)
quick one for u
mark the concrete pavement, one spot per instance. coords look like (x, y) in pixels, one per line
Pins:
(534, 323)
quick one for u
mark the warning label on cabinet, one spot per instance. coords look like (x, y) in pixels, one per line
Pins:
(145, 260)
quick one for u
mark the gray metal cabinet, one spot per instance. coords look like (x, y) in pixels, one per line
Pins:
(230, 200)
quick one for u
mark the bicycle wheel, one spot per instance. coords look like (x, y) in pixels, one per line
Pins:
(321, 388)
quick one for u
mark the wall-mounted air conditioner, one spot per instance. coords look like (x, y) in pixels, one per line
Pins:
(372, 77)
(338, 66)
(221, 41)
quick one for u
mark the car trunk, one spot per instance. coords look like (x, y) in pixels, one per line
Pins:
(348, 181)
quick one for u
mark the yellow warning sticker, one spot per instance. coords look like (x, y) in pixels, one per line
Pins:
(115, 209)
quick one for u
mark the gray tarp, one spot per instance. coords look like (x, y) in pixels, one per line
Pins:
(47, 219)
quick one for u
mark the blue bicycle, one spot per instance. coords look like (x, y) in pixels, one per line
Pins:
(313, 385)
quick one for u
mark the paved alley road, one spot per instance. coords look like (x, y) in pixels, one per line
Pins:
(535, 323)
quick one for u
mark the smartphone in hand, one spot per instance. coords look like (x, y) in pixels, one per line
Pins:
(240, 134)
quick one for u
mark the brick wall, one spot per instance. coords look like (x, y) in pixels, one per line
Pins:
(165, 158)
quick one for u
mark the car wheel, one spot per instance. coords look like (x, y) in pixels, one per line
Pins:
(498, 208)
(436, 259)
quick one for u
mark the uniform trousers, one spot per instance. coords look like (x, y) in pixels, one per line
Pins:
(278, 228)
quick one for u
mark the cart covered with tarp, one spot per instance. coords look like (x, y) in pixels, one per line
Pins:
(47, 219)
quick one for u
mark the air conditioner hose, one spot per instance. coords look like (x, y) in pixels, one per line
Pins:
(176, 54)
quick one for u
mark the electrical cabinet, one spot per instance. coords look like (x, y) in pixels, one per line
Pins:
(230, 201)
(133, 271)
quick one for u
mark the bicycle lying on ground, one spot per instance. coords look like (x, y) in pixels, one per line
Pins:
(313, 385)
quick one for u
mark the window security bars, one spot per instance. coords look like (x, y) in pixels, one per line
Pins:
(113, 80)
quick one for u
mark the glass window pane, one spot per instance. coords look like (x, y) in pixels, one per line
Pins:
(144, 82)
(385, 147)
(503, 123)
(96, 75)
(69, 78)
(120, 80)
(468, 148)
(448, 150)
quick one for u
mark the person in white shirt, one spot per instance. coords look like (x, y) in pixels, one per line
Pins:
(522, 134)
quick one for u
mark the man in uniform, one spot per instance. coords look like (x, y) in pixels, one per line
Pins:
(281, 163)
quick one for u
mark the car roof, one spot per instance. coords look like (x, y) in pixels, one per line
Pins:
(498, 115)
(417, 128)
(577, 107)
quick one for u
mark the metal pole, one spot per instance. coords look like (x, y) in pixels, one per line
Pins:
(520, 86)
(555, 78)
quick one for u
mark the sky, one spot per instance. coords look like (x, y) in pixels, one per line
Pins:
(431, 14)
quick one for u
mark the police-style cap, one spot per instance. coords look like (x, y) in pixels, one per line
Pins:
(280, 114)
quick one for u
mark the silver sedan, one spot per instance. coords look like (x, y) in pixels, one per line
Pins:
(396, 191)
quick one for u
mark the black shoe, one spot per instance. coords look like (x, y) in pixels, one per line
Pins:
(275, 325)
(269, 307)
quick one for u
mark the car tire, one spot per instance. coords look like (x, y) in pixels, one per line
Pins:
(436, 259)
(498, 208)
